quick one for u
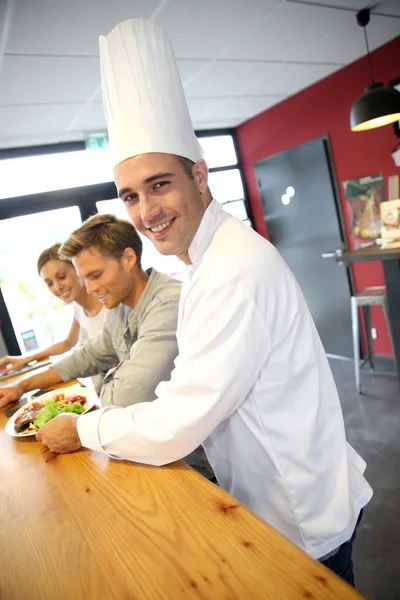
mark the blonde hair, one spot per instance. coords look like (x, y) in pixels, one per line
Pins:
(48, 254)
(108, 234)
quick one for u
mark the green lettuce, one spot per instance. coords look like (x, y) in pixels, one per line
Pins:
(75, 407)
(48, 412)
(52, 409)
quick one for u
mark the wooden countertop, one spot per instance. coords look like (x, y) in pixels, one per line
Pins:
(374, 252)
(82, 526)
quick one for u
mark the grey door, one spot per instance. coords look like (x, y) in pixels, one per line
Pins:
(303, 228)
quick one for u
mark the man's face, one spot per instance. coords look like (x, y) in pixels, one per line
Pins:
(108, 278)
(163, 202)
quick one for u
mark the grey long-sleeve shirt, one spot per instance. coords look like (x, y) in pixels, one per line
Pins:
(142, 339)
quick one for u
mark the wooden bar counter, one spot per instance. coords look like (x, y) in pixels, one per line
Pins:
(82, 526)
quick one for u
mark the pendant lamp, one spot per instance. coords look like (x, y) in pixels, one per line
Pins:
(379, 105)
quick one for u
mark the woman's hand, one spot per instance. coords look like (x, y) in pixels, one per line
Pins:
(9, 394)
(10, 363)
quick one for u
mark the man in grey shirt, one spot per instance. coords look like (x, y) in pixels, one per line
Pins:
(137, 344)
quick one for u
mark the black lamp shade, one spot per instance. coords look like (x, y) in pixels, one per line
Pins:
(378, 106)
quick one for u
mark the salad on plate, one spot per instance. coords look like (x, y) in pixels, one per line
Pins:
(37, 413)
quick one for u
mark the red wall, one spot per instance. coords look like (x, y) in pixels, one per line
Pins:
(325, 108)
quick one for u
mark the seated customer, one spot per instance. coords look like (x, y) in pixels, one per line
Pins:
(89, 314)
(140, 326)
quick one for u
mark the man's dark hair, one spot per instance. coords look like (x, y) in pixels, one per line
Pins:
(188, 165)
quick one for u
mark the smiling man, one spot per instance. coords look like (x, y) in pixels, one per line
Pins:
(252, 382)
(159, 199)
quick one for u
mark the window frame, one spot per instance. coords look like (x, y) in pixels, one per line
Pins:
(238, 165)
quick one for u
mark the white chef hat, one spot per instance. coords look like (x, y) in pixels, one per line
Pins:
(143, 97)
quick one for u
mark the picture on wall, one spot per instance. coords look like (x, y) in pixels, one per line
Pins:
(364, 196)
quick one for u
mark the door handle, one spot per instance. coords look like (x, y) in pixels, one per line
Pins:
(335, 254)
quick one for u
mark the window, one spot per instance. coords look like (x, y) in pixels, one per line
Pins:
(64, 170)
(48, 172)
(37, 316)
(219, 150)
(227, 188)
(226, 185)
(225, 179)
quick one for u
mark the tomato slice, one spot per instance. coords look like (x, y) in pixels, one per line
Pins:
(81, 399)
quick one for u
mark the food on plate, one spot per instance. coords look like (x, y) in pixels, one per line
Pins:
(38, 413)
(24, 421)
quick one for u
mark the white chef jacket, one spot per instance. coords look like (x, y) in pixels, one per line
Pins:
(253, 384)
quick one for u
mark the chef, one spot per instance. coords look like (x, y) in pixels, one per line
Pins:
(252, 382)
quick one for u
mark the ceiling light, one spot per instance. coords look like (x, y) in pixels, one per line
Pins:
(285, 199)
(290, 191)
(379, 105)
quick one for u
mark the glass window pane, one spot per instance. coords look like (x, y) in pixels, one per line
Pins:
(237, 209)
(219, 150)
(150, 257)
(113, 207)
(36, 315)
(226, 185)
(48, 172)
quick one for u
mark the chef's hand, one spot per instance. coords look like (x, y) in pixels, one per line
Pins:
(10, 393)
(10, 363)
(60, 435)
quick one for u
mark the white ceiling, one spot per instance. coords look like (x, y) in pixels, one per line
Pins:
(236, 57)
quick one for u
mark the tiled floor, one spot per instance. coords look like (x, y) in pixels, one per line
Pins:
(373, 428)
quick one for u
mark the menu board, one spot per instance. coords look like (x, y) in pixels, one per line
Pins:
(364, 196)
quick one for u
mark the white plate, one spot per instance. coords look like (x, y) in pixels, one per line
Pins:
(72, 390)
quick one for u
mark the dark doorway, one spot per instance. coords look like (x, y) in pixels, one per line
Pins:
(304, 225)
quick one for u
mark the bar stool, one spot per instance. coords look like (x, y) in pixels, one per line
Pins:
(368, 297)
